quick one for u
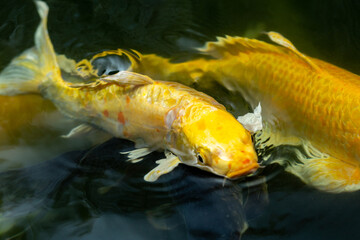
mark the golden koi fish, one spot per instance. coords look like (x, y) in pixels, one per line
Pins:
(154, 114)
(305, 100)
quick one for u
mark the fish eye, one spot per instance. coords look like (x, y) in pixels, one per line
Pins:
(200, 159)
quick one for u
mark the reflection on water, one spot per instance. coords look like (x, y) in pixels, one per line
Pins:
(86, 194)
(95, 194)
(95, 191)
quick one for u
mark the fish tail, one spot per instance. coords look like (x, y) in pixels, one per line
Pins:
(28, 71)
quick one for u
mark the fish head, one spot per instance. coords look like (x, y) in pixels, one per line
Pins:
(223, 146)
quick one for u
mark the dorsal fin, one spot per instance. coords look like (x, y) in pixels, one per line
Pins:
(281, 40)
(236, 45)
(127, 78)
(121, 78)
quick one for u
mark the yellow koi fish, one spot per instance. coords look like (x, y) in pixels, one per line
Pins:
(154, 114)
(305, 101)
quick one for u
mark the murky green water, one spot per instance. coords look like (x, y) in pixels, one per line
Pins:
(55, 188)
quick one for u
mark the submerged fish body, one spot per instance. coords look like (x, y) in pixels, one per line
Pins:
(305, 100)
(154, 114)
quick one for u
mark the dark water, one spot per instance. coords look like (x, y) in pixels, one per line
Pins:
(96, 193)
(53, 188)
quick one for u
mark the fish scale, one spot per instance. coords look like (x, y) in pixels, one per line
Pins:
(290, 93)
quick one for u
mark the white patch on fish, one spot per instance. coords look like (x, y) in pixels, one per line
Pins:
(252, 121)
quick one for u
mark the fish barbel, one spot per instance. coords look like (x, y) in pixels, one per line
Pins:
(156, 115)
(305, 101)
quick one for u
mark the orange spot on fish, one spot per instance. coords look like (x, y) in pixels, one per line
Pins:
(121, 118)
(229, 165)
(157, 130)
(127, 99)
(246, 161)
(106, 113)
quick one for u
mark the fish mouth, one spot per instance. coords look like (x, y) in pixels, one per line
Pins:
(246, 170)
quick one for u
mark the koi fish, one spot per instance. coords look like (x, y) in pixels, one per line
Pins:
(189, 125)
(305, 101)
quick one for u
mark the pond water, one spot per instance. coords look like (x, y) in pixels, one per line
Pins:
(56, 188)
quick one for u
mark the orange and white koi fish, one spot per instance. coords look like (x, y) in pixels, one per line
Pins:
(305, 100)
(153, 114)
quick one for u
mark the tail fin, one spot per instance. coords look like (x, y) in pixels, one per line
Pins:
(26, 72)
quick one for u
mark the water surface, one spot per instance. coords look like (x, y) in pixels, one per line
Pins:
(55, 188)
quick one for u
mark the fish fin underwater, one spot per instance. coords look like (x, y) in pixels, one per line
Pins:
(136, 155)
(121, 78)
(127, 78)
(229, 45)
(165, 165)
(79, 131)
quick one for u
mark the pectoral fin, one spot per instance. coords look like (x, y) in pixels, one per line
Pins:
(166, 165)
(79, 131)
(328, 174)
(137, 154)
(92, 134)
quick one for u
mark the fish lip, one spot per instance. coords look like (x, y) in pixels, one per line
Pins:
(249, 169)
